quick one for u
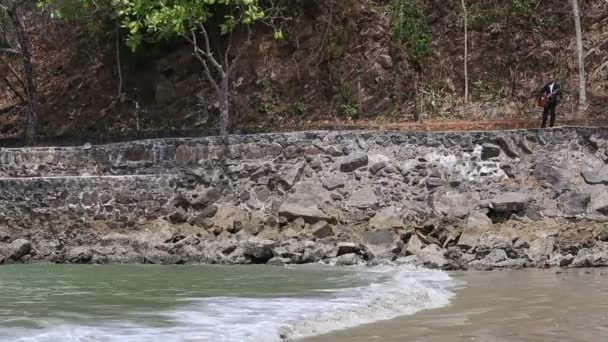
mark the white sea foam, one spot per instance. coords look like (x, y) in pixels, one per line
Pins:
(390, 292)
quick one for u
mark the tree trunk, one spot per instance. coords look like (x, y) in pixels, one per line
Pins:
(224, 106)
(582, 97)
(466, 52)
(30, 82)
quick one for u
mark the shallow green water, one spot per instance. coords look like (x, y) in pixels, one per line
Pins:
(202, 303)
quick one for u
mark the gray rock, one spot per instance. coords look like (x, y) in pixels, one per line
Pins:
(574, 203)
(321, 230)
(333, 183)
(455, 204)
(435, 182)
(209, 211)
(158, 257)
(475, 225)
(377, 167)
(350, 259)
(489, 151)
(599, 203)
(278, 261)
(79, 255)
(566, 260)
(548, 173)
(363, 198)
(305, 203)
(18, 249)
(291, 175)
(353, 162)
(588, 257)
(207, 198)
(495, 256)
(414, 245)
(346, 248)
(381, 243)
(333, 151)
(389, 217)
(510, 202)
(541, 249)
(315, 253)
(178, 216)
(258, 249)
(230, 218)
(433, 256)
(489, 241)
(595, 176)
(508, 147)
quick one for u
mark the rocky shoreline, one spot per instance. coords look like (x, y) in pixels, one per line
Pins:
(446, 200)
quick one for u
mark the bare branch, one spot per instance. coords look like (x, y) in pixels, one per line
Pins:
(199, 55)
(9, 51)
(208, 53)
(12, 88)
(14, 72)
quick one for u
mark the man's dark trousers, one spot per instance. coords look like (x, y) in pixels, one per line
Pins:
(549, 109)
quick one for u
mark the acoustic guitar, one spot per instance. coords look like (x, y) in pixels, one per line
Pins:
(542, 101)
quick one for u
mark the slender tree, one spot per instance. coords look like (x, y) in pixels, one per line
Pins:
(192, 20)
(466, 51)
(582, 86)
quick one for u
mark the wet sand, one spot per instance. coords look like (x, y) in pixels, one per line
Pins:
(529, 305)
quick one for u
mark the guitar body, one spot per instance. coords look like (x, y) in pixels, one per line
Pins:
(542, 101)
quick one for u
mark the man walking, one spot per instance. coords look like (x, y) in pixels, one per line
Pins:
(550, 94)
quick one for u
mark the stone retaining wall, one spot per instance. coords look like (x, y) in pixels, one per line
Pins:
(441, 199)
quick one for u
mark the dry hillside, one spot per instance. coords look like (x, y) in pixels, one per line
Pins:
(339, 63)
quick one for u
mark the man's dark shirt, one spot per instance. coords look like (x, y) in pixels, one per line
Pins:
(548, 90)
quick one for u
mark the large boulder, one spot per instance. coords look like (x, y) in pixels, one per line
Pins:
(348, 260)
(389, 217)
(353, 162)
(587, 257)
(363, 198)
(599, 203)
(489, 241)
(321, 230)
(333, 183)
(548, 173)
(79, 255)
(476, 224)
(304, 203)
(510, 202)
(432, 256)
(595, 176)
(414, 245)
(178, 216)
(346, 248)
(574, 203)
(493, 259)
(230, 218)
(455, 204)
(207, 197)
(381, 243)
(541, 249)
(18, 249)
(260, 250)
(292, 175)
